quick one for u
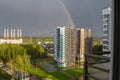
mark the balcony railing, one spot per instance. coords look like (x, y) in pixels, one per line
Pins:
(97, 66)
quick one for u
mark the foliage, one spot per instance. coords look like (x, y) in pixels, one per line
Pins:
(22, 63)
(33, 40)
(42, 50)
(97, 41)
(4, 75)
(97, 48)
(10, 51)
(33, 50)
(18, 56)
(97, 45)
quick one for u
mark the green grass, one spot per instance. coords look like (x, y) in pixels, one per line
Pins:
(39, 72)
(42, 73)
(60, 76)
(75, 73)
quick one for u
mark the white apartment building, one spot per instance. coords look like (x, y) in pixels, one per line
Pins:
(106, 29)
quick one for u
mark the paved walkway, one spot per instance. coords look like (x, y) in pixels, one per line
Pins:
(48, 67)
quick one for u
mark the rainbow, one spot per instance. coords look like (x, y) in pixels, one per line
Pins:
(67, 13)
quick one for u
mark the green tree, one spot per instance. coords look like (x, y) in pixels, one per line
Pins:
(42, 51)
(22, 63)
(97, 48)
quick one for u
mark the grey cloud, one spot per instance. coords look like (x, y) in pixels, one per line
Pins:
(88, 13)
(37, 17)
(40, 17)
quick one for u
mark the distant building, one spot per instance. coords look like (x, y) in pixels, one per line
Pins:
(107, 34)
(65, 46)
(89, 41)
(13, 36)
(49, 46)
(9, 41)
(69, 43)
(84, 43)
(106, 29)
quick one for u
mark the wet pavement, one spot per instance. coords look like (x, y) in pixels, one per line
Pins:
(48, 67)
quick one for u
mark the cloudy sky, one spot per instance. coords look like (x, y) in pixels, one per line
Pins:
(40, 17)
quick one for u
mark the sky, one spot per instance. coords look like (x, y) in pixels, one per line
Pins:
(41, 17)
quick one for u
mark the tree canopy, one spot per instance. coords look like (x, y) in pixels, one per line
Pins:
(11, 51)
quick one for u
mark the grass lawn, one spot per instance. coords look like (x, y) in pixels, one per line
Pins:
(60, 75)
(42, 73)
(75, 73)
(52, 75)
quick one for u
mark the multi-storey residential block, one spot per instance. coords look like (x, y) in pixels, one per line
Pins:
(69, 43)
(84, 43)
(65, 46)
(106, 29)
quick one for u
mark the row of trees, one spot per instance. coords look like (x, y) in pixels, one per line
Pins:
(10, 51)
(34, 51)
(19, 56)
(37, 39)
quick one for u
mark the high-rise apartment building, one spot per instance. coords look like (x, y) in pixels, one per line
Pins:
(69, 43)
(84, 43)
(65, 46)
(106, 29)
(88, 43)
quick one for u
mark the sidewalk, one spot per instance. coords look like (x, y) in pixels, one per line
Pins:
(48, 67)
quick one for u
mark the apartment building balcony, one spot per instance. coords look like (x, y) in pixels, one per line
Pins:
(97, 66)
(114, 72)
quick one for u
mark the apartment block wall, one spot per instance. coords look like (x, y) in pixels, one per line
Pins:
(106, 29)
(69, 43)
(65, 46)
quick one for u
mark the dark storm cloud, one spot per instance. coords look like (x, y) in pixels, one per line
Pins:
(88, 13)
(40, 17)
(35, 17)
